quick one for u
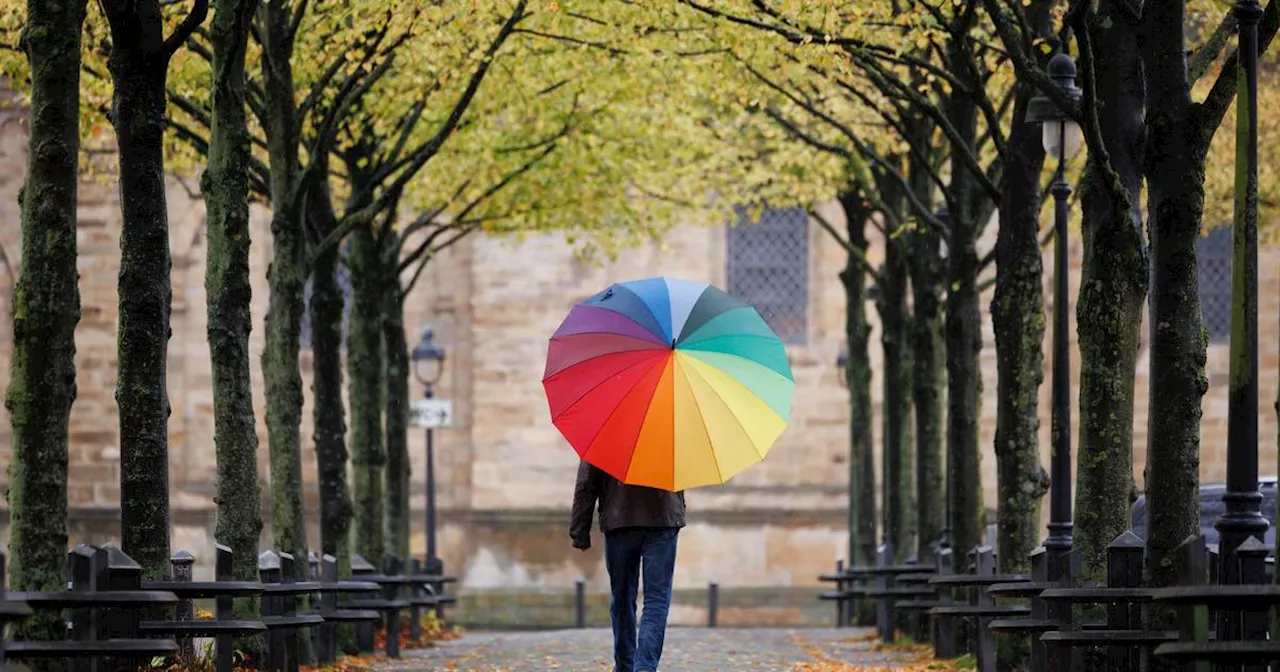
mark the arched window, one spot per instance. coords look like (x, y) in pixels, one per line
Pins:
(768, 267)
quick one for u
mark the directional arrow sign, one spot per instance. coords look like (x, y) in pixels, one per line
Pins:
(432, 413)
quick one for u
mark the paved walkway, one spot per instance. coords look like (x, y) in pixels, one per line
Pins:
(686, 650)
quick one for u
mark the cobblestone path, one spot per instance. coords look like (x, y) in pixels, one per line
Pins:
(686, 650)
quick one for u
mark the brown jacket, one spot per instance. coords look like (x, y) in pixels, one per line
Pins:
(620, 505)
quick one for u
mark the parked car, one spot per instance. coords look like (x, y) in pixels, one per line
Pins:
(1211, 507)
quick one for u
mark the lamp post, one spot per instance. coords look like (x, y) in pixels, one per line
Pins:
(1062, 139)
(428, 366)
(1242, 517)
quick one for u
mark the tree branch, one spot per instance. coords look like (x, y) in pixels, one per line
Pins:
(422, 265)
(573, 40)
(199, 12)
(1025, 66)
(488, 193)
(299, 12)
(428, 149)
(1212, 48)
(854, 252)
(1223, 92)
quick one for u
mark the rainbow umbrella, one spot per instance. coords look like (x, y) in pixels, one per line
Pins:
(668, 383)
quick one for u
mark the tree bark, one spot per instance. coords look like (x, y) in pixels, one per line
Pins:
(329, 414)
(1018, 320)
(398, 467)
(46, 309)
(1109, 309)
(138, 65)
(963, 324)
(927, 352)
(928, 388)
(899, 475)
(281, 374)
(862, 474)
(365, 368)
(226, 192)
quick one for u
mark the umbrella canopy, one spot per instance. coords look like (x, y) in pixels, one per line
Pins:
(668, 383)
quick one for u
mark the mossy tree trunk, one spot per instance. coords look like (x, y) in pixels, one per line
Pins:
(1018, 321)
(365, 392)
(927, 351)
(397, 375)
(139, 63)
(899, 476)
(963, 321)
(862, 471)
(928, 387)
(281, 371)
(1178, 135)
(226, 192)
(1174, 167)
(285, 280)
(329, 413)
(46, 308)
(1109, 309)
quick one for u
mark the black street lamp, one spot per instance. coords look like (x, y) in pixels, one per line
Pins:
(428, 366)
(1242, 517)
(1062, 139)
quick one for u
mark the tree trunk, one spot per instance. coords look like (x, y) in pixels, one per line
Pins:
(899, 476)
(329, 414)
(285, 280)
(226, 192)
(862, 473)
(928, 379)
(398, 469)
(963, 328)
(1109, 310)
(138, 65)
(282, 377)
(1017, 315)
(46, 309)
(365, 367)
(1174, 168)
(928, 382)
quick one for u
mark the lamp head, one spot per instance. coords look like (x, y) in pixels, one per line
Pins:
(1060, 134)
(428, 357)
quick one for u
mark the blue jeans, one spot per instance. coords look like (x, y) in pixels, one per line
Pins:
(628, 552)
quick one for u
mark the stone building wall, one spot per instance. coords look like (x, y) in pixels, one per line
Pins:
(505, 475)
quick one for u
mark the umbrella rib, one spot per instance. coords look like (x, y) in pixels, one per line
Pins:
(694, 345)
(597, 330)
(782, 380)
(732, 413)
(630, 390)
(652, 346)
(593, 388)
(684, 371)
(658, 319)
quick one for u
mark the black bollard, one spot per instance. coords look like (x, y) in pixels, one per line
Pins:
(580, 603)
(713, 604)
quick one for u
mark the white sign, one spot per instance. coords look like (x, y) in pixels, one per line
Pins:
(431, 413)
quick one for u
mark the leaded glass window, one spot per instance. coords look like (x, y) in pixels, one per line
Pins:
(768, 267)
(1213, 253)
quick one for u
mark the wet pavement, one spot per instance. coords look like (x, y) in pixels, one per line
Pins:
(686, 650)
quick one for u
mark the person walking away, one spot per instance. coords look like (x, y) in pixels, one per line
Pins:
(640, 527)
